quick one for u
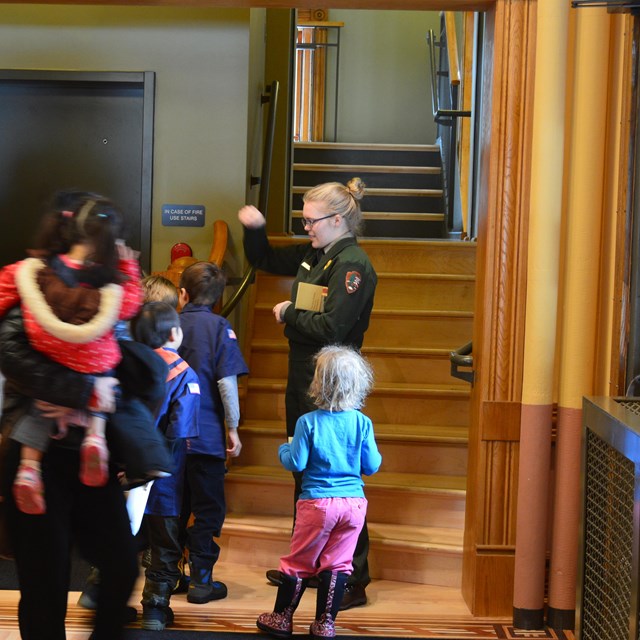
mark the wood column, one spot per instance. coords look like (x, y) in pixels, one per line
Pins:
(498, 341)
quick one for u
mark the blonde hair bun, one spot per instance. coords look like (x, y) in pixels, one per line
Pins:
(356, 188)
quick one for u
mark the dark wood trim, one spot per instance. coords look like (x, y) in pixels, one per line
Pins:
(415, 5)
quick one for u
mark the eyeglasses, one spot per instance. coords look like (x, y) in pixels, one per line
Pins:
(309, 222)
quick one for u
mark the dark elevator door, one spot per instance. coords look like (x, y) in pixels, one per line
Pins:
(87, 130)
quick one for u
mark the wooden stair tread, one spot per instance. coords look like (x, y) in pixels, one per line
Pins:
(421, 313)
(281, 345)
(363, 146)
(411, 482)
(394, 275)
(401, 432)
(454, 245)
(423, 193)
(366, 168)
(399, 388)
(392, 215)
(418, 538)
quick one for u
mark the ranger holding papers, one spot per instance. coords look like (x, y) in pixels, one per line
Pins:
(334, 310)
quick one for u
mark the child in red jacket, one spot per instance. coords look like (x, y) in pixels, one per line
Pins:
(79, 283)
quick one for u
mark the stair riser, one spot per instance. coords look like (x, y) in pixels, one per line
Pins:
(256, 496)
(386, 505)
(404, 293)
(385, 562)
(404, 203)
(435, 568)
(418, 509)
(457, 258)
(269, 405)
(406, 228)
(410, 410)
(260, 448)
(385, 157)
(374, 180)
(390, 331)
(252, 550)
(418, 332)
(392, 367)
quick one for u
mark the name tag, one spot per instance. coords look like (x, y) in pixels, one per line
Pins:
(306, 266)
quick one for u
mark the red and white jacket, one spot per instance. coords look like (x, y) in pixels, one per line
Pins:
(90, 347)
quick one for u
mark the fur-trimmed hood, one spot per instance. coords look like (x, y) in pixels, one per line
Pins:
(78, 315)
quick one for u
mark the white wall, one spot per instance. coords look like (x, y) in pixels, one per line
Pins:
(384, 92)
(201, 60)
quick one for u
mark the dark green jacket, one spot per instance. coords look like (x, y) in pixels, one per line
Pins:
(345, 270)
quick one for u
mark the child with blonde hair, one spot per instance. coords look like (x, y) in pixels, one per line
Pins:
(334, 445)
(157, 288)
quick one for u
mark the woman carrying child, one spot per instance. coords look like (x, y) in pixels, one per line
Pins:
(79, 283)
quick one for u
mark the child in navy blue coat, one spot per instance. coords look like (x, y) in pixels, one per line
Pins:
(158, 326)
(210, 346)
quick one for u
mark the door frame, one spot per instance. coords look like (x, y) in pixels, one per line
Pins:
(142, 79)
(498, 340)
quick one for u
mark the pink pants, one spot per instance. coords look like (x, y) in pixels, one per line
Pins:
(324, 536)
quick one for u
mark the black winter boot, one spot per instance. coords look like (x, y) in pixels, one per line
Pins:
(330, 592)
(279, 622)
(89, 597)
(202, 588)
(156, 612)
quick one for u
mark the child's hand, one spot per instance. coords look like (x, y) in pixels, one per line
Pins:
(104, 394)
(54, 411)
(234, 441)
(125, 252)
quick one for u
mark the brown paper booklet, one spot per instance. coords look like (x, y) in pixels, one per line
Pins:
(311, 297)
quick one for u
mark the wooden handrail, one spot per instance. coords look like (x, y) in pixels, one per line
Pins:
(219, 242)
(452, 47)
(216, 255)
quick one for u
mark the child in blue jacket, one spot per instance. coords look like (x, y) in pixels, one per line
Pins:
(333, 445)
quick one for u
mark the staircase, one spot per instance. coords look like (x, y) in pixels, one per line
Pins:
(404, 197)
(422, 311)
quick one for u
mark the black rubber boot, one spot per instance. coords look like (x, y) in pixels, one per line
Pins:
(279, 623)
(202, 588)
(89, 597)
(156, 612)
(330, 592)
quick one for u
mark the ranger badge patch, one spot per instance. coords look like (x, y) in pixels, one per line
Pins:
(352, 281)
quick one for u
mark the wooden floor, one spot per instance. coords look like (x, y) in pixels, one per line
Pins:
(394, 609)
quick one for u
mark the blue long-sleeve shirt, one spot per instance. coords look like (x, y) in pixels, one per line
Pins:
(333, 450)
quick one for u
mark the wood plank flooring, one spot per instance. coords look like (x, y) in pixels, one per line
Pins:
(396, 609)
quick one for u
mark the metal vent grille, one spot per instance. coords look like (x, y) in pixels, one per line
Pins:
(612, 5)
(608, 541)
(632, 405)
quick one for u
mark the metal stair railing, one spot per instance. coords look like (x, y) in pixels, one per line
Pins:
(264, 180)
(445, 83)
